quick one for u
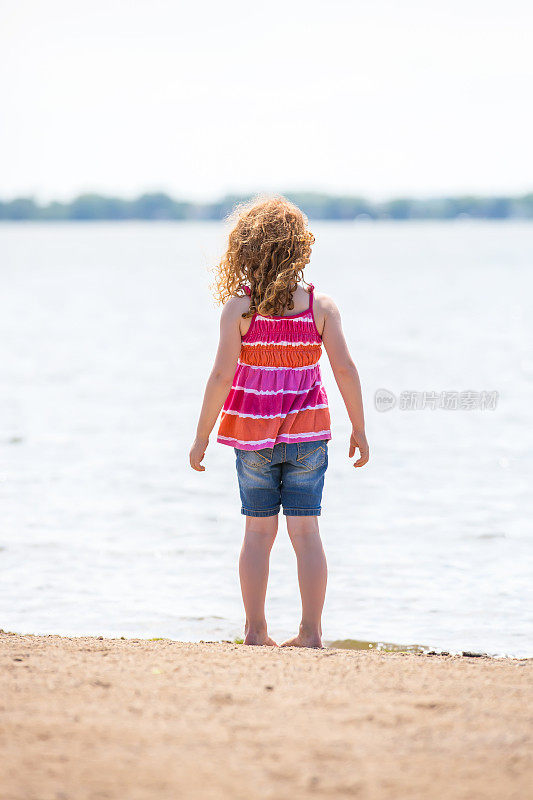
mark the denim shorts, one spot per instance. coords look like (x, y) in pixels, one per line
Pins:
(288, 475)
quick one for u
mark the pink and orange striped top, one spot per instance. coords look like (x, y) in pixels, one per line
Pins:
(277, 393)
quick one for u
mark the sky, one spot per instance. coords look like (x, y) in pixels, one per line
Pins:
(200, 99)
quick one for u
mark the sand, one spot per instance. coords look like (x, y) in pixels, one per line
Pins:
(134, 719)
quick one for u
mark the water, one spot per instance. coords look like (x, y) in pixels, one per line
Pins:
(107, 333)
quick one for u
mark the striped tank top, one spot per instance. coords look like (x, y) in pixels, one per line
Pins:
(277, 393)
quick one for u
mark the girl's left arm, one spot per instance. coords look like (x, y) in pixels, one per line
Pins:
(220, 379)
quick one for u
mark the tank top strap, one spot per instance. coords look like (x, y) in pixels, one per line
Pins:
(246, 289)
(311, 290)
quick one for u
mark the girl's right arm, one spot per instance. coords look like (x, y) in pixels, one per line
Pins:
(221, 377)
(346, 376)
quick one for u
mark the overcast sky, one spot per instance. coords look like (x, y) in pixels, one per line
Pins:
(198, 99)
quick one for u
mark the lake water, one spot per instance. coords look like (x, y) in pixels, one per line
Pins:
(107, 334)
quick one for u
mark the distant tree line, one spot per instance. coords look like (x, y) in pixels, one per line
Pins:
(159, 206)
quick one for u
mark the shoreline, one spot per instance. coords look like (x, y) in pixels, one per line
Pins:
(377, 645)
(123, 719)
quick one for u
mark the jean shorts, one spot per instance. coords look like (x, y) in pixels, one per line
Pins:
(288, 475)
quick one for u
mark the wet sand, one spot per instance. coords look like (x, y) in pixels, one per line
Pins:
(150, 720)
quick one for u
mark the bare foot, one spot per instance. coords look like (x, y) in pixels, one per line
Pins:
(305, 640)
(259, 638)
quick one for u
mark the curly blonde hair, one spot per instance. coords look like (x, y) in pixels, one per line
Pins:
(269, 246)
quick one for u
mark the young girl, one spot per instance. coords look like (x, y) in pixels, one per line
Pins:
(266, 379)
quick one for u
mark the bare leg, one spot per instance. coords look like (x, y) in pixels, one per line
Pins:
(259, 536)
(312, 577)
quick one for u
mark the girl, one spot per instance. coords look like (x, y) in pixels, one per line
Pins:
(266, 379)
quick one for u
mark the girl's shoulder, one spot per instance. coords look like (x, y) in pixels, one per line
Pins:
(324, 308)
(232, 312)
(324, 304)
(237, 303)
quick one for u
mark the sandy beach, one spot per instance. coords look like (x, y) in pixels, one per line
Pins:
(136, 719)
